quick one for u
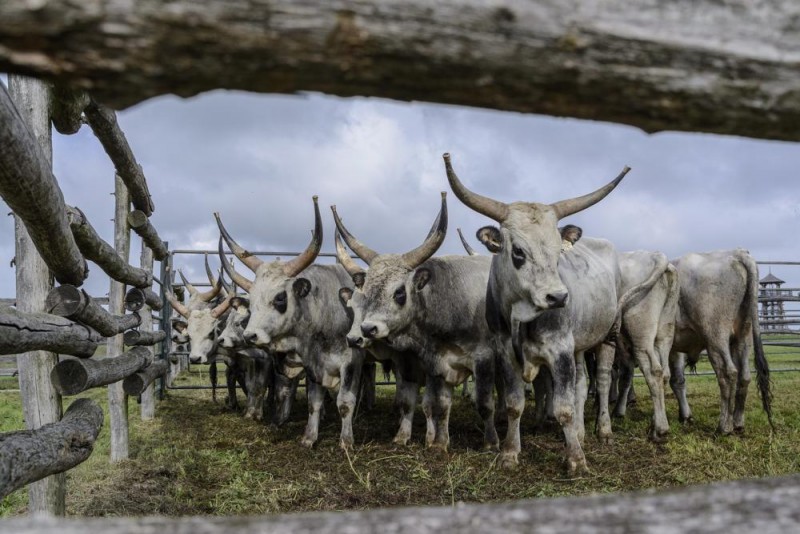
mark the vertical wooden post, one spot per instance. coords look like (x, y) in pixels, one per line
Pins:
(148, 397)
(41, 404)
(117, 400)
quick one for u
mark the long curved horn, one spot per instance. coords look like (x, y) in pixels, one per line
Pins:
(211, 280)
(227, 289)
(222, 307)
(246, 257)
(469, 249)
(192, 290)
(295, 266)
(361, 250)
(494, 209)
(434, 240)
(344, 258)
(565, 208)
(209, 273)
(178, 306)
(237, 278)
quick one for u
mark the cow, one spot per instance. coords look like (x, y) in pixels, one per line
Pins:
(549, 302)
(718, 313)
(434, 307)
(405, 364)
(302, 317)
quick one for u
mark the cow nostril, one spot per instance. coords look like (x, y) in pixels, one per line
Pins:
(369, 331)
(250, 337)
(557, 300)
(355, 342)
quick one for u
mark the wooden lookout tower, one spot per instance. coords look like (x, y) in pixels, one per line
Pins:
(772, 314)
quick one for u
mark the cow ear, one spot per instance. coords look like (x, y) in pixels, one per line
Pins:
(570, 234)
(421, 278)
(345, 294)
(302, 287)
(358, 279)
(491, 238)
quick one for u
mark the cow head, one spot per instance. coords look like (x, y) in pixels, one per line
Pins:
(201, 318)
(277, 293)
(180, 337)
(527, 245)
(232, 335)
(387, 299)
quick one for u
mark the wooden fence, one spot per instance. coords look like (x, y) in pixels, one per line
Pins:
(55, 239)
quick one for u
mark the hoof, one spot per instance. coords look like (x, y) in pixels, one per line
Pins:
(306, 443)
(661, 436)
(346, 445)
(491, 447)
(402, 441)
(686, 420)
(438, 448)
(508, 460)
(577, 467)
(738, 430)
(606, 439)
(249, 415)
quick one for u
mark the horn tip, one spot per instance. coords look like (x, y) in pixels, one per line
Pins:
(626, 169)
(444, 194)
(315, 198)
(446, 156)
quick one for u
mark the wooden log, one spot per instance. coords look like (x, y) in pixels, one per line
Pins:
(706, 65)
(103, 254)
(136, 299)
(136, 384)
(29, 188)
(117, 400)
(767, 505)
(74, 303)
(141, 225)
(144, 337)
(30, 455)
(41, 403)
(22, 332)
(68, 106)
(103, 122)
(71, 377)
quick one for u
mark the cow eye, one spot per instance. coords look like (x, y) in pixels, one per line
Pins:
(517, 256)
(279, 302)
(243, 322)
(400, 295)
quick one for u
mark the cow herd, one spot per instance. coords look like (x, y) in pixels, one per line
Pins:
(544, 303)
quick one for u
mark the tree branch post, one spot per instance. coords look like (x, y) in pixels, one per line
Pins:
(43, 331)
(71, 377)
(74, 303)
(142, 226)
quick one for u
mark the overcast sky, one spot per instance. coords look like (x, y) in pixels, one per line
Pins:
(258, 159)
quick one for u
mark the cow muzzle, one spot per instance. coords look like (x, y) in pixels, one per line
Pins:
(355, 342)
(556, 299)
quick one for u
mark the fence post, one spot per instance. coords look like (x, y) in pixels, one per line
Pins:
(41, 404)
(148, 396)
(117, 400)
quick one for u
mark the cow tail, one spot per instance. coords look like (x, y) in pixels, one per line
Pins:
(762, 366)
(633, 293)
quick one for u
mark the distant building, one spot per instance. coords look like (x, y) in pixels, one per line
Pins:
(771, 299)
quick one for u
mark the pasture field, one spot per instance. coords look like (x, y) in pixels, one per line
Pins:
(198, 458)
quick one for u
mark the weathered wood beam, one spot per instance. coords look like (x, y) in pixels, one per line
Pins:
(141, 225)
(68, 106)
(137, 383)
(71, 377)
(103, 254)
(134, 338)
(103, 122)
(707, 65)
(22, 332)
(136, 299)
(30, 455)
(117, 400)
(766, 505)
(74, 303)
(29, 188)
(41, 404)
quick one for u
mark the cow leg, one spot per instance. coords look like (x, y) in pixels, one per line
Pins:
(257, 389)
(484, 399)
(212, 375)
(515, 404)
(367, 390)
(232, 402)
(346, 400)
(428, 402)
(564, 398)
(740, 351)
(405, 400)
(249, 377)
(604, 354)
(613, 388)
(727, 377)
(581, 394)
(591, 371)
(650, 366)
(543, 395)
(441, 407)
(316, 396)
(677, 381)
(624, 385)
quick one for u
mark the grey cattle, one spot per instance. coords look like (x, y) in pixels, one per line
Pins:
(436, 308)
(718, 313)
(647, 325)
(302, 316)
(405, 364)
(550, 303)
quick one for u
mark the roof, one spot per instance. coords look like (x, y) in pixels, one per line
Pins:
(771, 279)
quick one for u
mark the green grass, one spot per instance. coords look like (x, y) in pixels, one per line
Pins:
(197, 458)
